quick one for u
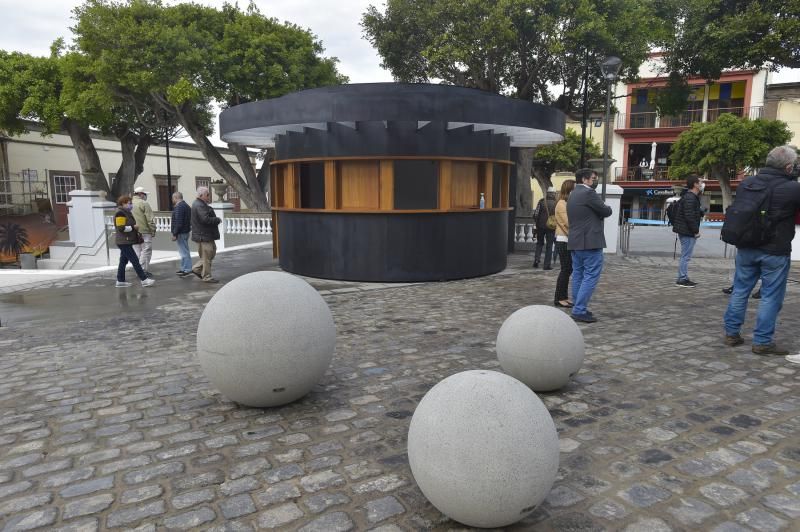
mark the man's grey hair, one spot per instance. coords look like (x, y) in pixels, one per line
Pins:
(781, 157)
(201, 191)
(177, 195)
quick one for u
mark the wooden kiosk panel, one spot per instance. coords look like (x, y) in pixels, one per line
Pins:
(359, 184)
(464, 184)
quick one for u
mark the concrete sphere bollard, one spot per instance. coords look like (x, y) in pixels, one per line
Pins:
(541, 346)
(483, 448)
(265, 339)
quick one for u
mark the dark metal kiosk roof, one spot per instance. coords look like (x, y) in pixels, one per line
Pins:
(258, 123)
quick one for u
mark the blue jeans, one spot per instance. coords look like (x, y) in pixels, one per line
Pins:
(587, 264)
(127, 254)
(183, 251)
(687, 248)
(752, 264)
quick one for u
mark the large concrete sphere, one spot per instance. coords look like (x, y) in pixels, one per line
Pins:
(265, 339)
(483, 448)
(541, 346)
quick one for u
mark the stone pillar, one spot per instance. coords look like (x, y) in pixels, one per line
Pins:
(611, 224)
(796, 244)
(86, 216)
(222, 209)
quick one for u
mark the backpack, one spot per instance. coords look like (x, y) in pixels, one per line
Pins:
(672, 211)
(747, 221)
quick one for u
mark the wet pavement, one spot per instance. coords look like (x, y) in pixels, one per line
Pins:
(107, 421)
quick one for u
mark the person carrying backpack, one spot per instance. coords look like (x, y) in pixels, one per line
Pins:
(761, 225)
(686, 223)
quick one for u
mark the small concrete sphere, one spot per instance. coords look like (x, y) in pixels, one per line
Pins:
(483, 448)
(265, 339)
(541, 346)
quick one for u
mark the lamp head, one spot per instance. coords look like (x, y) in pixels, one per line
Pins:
(610, 68)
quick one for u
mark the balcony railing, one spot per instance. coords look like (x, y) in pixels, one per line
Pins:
(684, 119)
(659, 173)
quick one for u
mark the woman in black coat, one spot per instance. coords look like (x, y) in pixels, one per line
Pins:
(127, 235)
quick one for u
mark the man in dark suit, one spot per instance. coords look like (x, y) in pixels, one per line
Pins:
(585, 212)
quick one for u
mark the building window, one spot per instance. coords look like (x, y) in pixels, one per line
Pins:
(202, 182)
(62, 186)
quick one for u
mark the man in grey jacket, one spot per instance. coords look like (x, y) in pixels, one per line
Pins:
(204, 231)
(585, 211)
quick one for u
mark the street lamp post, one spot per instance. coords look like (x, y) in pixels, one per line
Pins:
(610, 69)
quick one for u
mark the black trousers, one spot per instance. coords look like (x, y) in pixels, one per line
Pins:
(544, 239)
(562, 284)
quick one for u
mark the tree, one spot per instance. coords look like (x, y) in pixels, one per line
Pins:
(724, 148)
(59, 93)
(714, 35)
(536, 50)
(180, 58)
(562, 156)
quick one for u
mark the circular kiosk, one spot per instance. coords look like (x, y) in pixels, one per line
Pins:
(391, 181)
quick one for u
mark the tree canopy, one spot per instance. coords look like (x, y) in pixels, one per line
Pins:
(714, 35)
(533, 50)
(181, 58)
(561, 156)
(725, 147)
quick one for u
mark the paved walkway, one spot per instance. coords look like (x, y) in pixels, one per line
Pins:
(107, 421)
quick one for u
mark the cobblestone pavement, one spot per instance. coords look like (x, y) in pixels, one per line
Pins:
(107, 421)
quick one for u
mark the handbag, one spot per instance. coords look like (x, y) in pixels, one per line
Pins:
(551, 218)
(139, 238)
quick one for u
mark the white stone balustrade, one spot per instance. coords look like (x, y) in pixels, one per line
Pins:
(248, 225)
(235, 224)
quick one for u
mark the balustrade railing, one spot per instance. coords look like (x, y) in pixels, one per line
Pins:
(651, 119)
(251, 223)
(260, 224)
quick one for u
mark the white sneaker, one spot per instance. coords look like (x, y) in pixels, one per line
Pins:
(148, 282)
(123, 284)
(795, 359)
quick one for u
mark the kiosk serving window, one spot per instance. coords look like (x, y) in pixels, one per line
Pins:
(416, 184)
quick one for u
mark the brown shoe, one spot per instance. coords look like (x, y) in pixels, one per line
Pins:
(734, 340)
(769, 350)
(210, 280)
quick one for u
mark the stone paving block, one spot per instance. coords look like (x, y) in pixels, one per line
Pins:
(87, 506)
(190, 520)
(759, 519)
(383, 508)
(281, 515)
(131, 516)
(332, 522)
(277, 493)
(237, 506)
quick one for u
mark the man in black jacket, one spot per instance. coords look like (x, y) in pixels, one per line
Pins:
(769, 262)
(181, 226)
(687, 224)
(204, 231)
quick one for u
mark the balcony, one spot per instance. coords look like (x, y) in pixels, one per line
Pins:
(659, 173)
(652, 120)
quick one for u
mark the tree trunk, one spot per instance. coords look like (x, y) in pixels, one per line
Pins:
(264, 174)
(253, 198)
(122, 182)
(524, 196)
(249, 172)
(542, 175)
(723, 176)
(91, 169)
(134, 150)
